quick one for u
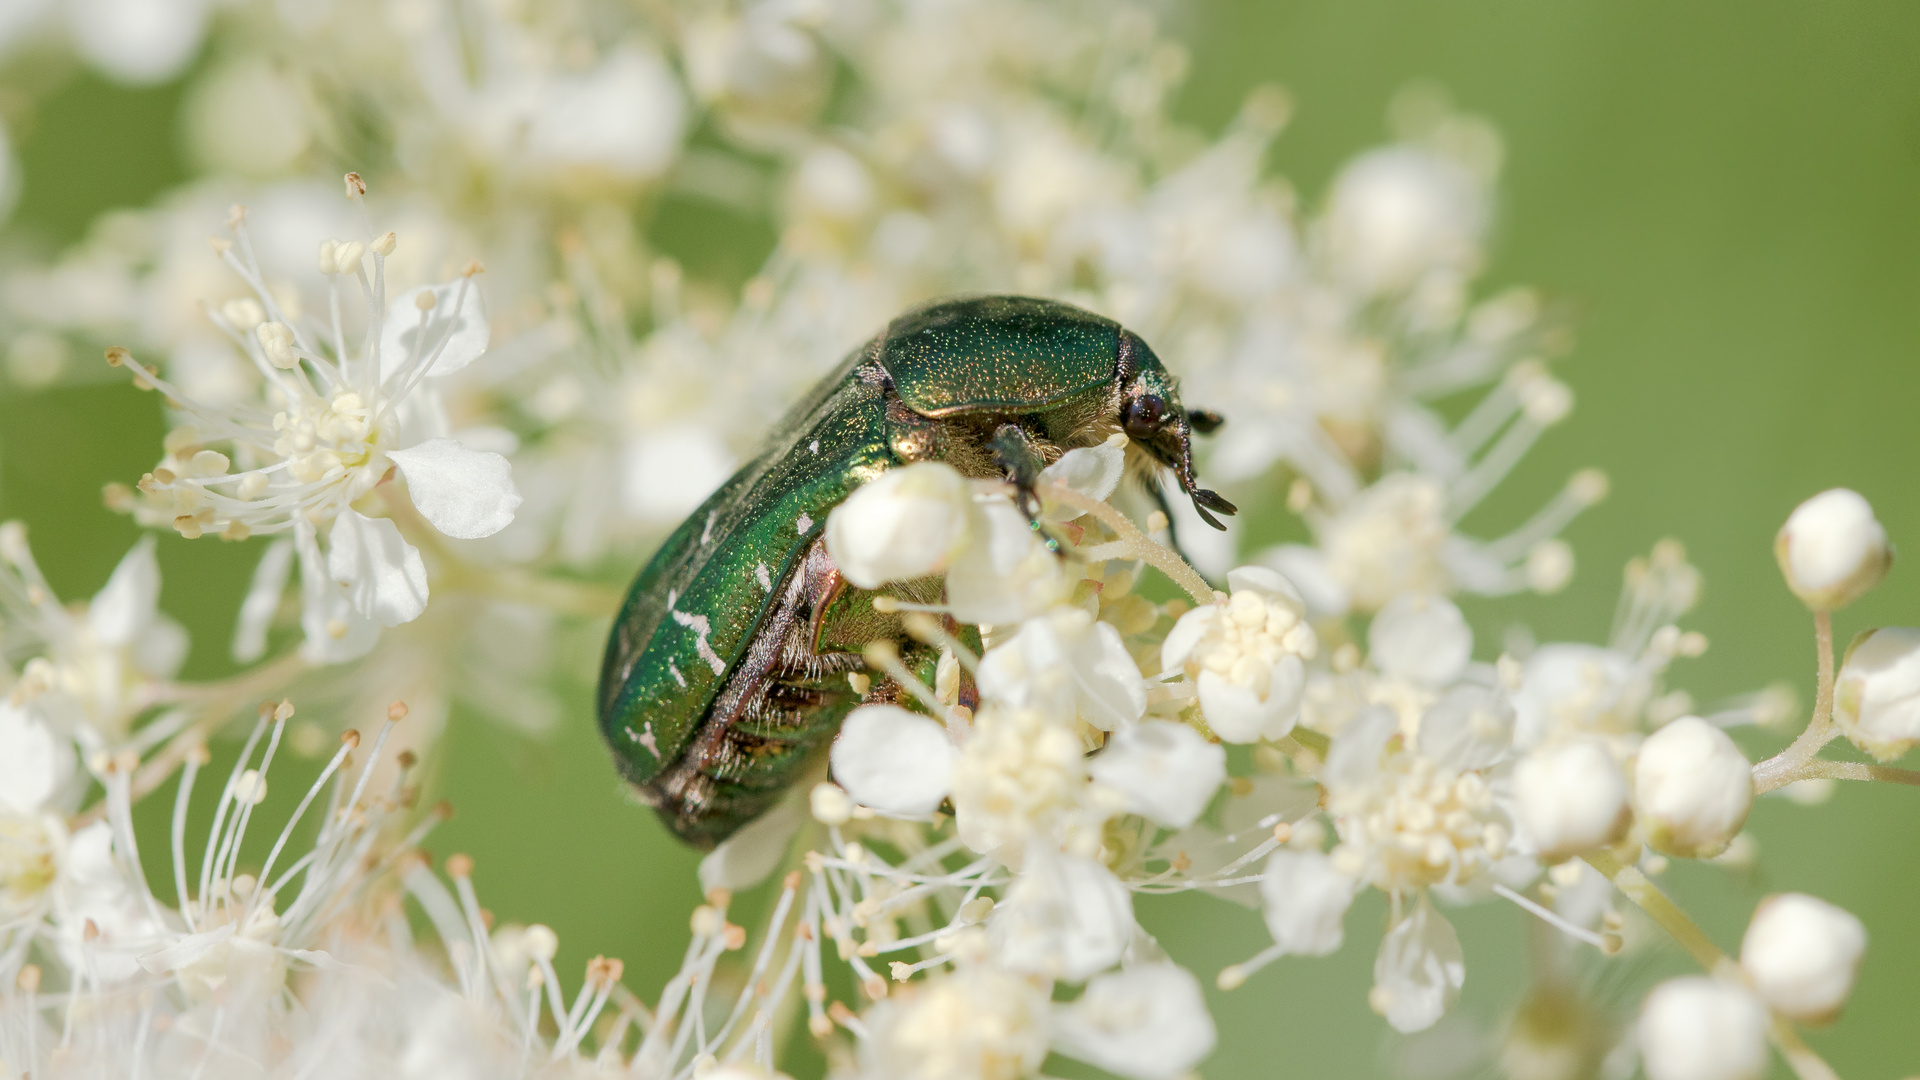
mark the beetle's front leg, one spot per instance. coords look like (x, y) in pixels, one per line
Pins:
(1020, 461)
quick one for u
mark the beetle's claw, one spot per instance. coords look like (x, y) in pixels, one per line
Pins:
(1204, 500)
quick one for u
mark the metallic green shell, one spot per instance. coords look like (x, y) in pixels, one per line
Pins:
(997, 354)
(697, 606)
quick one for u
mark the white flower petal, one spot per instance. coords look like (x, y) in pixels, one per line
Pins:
(667, 472)
(1002, 573)
(1148, 1023)
(1420, 969)
(1067, 662)
(1239, 715)
(905, 524)
(137, 41)
(459, 336)
(1421, 638)
(1470, 727)
(1093, 471)
(625, 116)
(1305, 900)
(335, 632)
(34, 762)
(125, 606)
(744, 859)
(1354, 756)
(1065, 917)
(1167, 771)
(464, 493)
(262, 601)
(1188, 632)
(161, 650)
(383, 576)
(1307, 568)
(892, 760)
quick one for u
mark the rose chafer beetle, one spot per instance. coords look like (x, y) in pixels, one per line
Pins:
(727, 668)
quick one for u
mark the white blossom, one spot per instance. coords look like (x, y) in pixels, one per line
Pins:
(979, 1022)
(1692, 788)
(894, 761)
(1419, 971)
(1246, 655)
(907, 523)
(1832, 549)
(1065, 917)
(1570, 798)
(1305, 899)
(1422, 638)
(1802, 955)
(1066, 661)
(1168, 772)
(1877, 693)
(1699, 1028)
(1148, 1023)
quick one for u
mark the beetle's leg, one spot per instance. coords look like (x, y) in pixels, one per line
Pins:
(1020, 461)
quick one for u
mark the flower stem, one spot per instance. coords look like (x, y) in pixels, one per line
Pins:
(1806, 1064)
(1785, 766)
(1822, 769)
(1134, 544)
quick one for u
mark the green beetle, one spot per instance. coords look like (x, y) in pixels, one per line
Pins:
(727, 669)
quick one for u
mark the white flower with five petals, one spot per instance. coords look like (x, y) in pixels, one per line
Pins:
(1246, 655)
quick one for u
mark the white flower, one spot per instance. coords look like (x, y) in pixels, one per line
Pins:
(1877, 695)
(1421, 638)
(329, 429)
(1069, 662)
(1093, 471)
(1003, 573)
(1401, 211)
(1167, 771)
(979, 1022)
(1388, 540)
(1065, 917)
(744, 859)
(1147, 1023)
(1692, 788)
(1246, 655)
(34, 761)
(1802, 954)
(624, 116)
(892, 760)
(1419, 971)
(138, 41)
(1569, 798)
(1469, 727)
(1305, 899)
(1021, 772)
(907, 523)
(1832, 549)
(1698, 1028)
(1569, 690)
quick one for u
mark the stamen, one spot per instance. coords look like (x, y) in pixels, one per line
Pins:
(1606, 943)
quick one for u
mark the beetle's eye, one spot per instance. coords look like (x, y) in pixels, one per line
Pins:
(1142, 416)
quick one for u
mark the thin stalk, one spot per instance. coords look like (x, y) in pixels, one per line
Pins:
(1134, 544)
(1783, 767)
(1806, 1064)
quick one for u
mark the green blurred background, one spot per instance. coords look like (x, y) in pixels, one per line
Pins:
(1726, 195)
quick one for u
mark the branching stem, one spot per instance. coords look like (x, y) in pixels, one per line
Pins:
(1806, 1064)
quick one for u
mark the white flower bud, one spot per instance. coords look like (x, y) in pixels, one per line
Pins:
(1570, 798)
(1802, 954)
(276, 339)
(1697, 1028)
(1832, 550)
(1692, 788)
(1877, 697)
(902, 526)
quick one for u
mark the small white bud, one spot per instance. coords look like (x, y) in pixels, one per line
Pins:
(1570, 798)
(276, 339)
(1692, 788)
(1698, 1028)
(903, 525)
(1877, 697)
(1832, 550)
(1802, 954)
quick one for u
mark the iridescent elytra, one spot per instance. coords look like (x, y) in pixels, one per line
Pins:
(726, 671)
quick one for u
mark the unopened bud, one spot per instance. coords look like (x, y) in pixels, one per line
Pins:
(1877, 697)
(276, 340)
(1802, 954)
(1698, 1028)
(1570, 798)
(1832, 549)
(1692, 788)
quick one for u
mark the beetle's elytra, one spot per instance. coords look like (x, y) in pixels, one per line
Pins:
(726, 670)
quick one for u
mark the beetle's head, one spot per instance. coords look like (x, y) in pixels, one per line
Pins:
(1152, 416)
